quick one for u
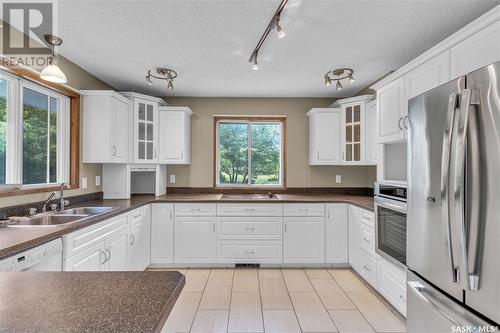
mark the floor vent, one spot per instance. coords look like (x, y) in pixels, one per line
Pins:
(247, 266)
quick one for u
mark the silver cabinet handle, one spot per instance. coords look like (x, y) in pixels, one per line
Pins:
(343, 157)
(445, 180)
(114, 150)
(155, 153)
(418, 289)
(399, 123)
(182, 154)
(105, 256)
(249, 229)
(317, 154)
(132, 238)
(171, 213)
(249, 252)
(367, 240)
(405, 121)
(328, 213)
(213, 227)
(285, 227)
(366, 268)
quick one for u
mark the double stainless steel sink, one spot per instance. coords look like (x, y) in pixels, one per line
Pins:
(62, 218)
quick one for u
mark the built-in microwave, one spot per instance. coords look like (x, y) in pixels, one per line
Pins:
(390, 221)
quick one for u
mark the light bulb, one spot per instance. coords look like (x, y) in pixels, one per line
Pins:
(148, 80)
(328, 81)
(255, 67)
(281, 33)
(351, 78)
(339, 85)
(170, 85)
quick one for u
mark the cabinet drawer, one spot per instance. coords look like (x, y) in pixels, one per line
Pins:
(249, 252)
(137, 215)
(84, 238)
(195, 209)
(368, 268)
(367, 241)
(391, 283)
(367, 218)
(304, 210)
(249, 209)
(249, 227)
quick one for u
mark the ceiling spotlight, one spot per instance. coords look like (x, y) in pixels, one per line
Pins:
(52, 72)
(337, 75)
(328, 81)
(148, 79)
(255, 67)
(280, 31)
(163, 74)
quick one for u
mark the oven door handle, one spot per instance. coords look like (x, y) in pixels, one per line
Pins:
(389, 205)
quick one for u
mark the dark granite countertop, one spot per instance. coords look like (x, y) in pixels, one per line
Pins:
(87, 301)
(14, 240)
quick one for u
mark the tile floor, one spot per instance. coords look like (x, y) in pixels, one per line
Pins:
(279, 301)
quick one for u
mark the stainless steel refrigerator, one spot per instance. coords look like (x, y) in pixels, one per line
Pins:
(453, 238)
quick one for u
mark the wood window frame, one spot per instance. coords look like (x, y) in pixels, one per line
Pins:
(74, 132)
(251, 188)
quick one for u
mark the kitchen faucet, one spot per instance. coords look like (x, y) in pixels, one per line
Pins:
(61, 196)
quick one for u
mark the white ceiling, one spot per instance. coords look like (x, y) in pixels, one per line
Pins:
(208, 42)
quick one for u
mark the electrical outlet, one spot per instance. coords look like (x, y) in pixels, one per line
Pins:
(97, 180)
(338, 179)
(83, 185)
(172, 179)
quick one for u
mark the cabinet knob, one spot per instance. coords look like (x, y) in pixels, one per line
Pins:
(114, 150)
(399, 123)
(132, 239)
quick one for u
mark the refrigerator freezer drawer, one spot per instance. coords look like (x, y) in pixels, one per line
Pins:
(429, 310)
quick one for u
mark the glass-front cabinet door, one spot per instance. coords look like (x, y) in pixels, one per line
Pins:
(146, 114)
(352, 150)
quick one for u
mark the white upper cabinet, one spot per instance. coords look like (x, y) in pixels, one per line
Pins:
(324, 136)
(175, 135)
(476, 51)
(427, 76)
(105, 127)
(391, 112)
(144, 143)
(374, 151)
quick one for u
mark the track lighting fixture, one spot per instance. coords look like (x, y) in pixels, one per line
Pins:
(338, 75)
(273, 24)
(280, 31)
(255, 67)
(163, 74)
(52, 72)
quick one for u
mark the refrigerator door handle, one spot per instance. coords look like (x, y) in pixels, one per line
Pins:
(445, 181)
(468, 98)
(418, 289)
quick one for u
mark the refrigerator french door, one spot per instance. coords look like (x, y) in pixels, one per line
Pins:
(453, 242)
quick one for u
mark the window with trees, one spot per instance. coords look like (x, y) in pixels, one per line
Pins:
(34, 134)
(249, 151)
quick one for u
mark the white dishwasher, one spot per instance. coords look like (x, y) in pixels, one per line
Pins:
(45, 257)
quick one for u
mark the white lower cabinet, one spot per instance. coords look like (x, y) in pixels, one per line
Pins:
(139, 239)
(391, 283)
(303, 239)
(336, 234)
(117, 246)
(162, 233)
(195, 239)
(354, 237)
(368, 267)
(91, 259)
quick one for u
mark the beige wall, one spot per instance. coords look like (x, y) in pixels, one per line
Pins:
(78, 79)
(299, 173)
